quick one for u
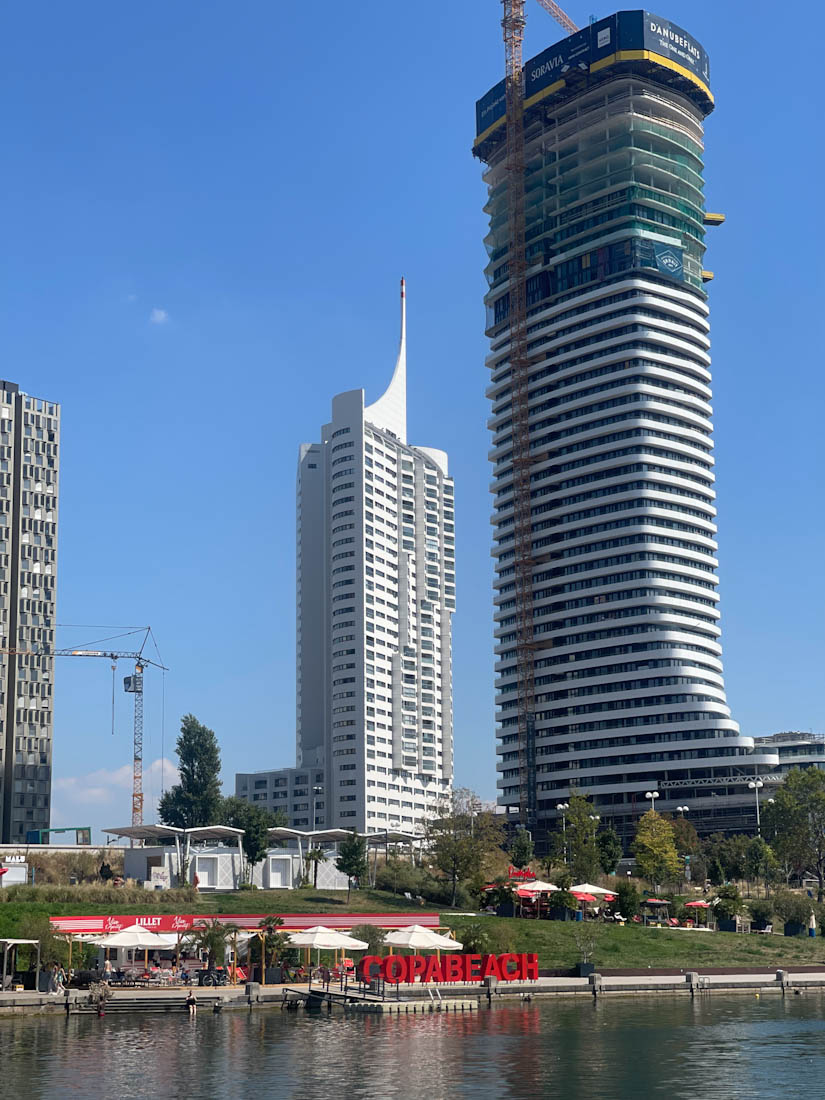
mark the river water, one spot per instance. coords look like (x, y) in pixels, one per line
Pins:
(728, 1047)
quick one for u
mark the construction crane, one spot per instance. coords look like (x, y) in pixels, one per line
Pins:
(513, 22)
(132, 685)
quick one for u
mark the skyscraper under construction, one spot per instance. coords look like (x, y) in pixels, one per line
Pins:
(609, 670)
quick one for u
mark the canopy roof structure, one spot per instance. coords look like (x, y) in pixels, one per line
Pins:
(146, 832)
(17, 943)
(214, 832)
(391, 836)
(321, 836)
(171, 832)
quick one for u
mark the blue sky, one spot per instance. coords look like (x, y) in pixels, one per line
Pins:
(207, 211)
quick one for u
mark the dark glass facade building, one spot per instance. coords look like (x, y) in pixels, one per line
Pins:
(629, 693)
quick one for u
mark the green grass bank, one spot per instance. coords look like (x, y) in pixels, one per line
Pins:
(634, 946)
(23, 909)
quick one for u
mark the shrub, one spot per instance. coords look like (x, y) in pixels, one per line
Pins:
(96, 895)
(628, 899)
(371, 935)
(729, 904)
(562, 899)
(761, 909)
(792, 908)
(489, 937)
(400, 876)
(501, 894)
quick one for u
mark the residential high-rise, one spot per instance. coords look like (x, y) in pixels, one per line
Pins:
(623, 638)
(376, 594)
(29, 450)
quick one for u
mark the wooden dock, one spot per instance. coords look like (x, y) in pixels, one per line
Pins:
(417, 1007)
(361, 1000)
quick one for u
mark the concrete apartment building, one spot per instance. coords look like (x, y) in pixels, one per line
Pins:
(627, 698)
(297, 792)
(29, 467)
(375, 599)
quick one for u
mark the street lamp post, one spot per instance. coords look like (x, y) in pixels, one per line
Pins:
(682, 810)
(652, 795)
(563, 807)
(756, 786)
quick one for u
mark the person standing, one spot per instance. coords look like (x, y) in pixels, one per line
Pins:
(192, 1003)
(108, 971)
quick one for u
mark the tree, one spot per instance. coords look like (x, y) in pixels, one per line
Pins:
(274, 941)
(556, 853)
(458, 837)
(255, 822)
(352, 859)
(610, 849)
(655, 849)
(371, 935)
(685, 836)
(760, 862)
(209, 937)
(715, 873)
(315, 856)
(728, 903)
(795, 822)
(195, 801)
(521, 851)
(581, 839)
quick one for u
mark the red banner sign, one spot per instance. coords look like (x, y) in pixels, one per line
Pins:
(167, 922)
(516, 872)
(452, 968)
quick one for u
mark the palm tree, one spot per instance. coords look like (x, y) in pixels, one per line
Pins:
(274, 941)
(210, 936)
(315, 856)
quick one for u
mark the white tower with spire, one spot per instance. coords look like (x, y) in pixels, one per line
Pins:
(376, 594)
(389, 412)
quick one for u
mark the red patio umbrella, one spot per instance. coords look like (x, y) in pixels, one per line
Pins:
(584, 897)
(697, 905)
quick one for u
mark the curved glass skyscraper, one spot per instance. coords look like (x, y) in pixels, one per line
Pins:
(629, 694)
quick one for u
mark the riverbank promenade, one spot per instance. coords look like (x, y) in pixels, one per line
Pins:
(431, 996)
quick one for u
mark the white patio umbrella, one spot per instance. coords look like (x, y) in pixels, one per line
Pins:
(416, 936)
(326, 939)
(137, 936)
(538, 887)
(589, 888)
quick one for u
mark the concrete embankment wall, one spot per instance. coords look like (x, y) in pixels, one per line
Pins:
(607, 983)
